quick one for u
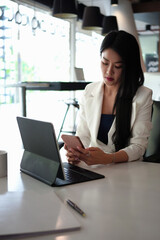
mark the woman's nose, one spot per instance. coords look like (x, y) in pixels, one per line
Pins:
(109, 70)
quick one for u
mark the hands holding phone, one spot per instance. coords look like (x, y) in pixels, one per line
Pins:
(76, 152)
(71, 155)
(71, 144)
(91, 156)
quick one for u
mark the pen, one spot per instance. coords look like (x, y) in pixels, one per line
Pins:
(75, 207)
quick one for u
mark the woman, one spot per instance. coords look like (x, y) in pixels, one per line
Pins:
(115, 114)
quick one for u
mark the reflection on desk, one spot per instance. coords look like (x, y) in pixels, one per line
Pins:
(29, 213)
(122, 206)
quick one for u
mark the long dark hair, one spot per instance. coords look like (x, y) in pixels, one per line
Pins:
(127, 47)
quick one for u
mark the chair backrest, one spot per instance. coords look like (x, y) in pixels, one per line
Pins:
(79, 74)
(153, 148)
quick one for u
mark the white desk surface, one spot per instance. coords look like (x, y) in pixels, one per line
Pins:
(123, 206)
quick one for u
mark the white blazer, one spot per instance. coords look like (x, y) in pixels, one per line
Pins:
(90, 115)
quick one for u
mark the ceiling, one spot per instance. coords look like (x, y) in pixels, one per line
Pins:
(146, 12)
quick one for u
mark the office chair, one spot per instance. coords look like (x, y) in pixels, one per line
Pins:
(153, 150)
(71, 102)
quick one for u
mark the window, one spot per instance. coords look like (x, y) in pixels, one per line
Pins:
(88, 55)
(150, 51)
(34, 46)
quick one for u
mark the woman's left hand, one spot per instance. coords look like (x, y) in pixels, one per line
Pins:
(91, 156)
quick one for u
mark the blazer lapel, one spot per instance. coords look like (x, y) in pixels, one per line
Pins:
(94, 108)
(134, 113)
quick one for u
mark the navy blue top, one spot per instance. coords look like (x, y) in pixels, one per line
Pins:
(104, 127)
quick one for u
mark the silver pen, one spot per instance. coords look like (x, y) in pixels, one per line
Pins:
(75, 207)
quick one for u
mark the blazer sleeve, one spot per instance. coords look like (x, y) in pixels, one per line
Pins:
(142, 125)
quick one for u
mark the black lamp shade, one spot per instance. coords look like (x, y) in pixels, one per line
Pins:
(81, 8)
(114, 2)
(148, 27)
(92, 18)
(64, 8)
(109, 24)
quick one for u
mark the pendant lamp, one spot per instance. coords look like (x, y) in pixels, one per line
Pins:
(92, 18)
(109, 24)
(80, 9)
(114, 2)
(64, 9)
(148, 27)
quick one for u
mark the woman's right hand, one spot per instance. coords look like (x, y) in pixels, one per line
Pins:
(72, 159)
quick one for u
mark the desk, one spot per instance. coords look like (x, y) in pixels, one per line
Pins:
(123, 206)
(47, 86)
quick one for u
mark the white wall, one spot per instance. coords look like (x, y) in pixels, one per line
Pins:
(126, 22)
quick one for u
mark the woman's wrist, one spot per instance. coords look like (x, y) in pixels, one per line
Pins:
(120, 156)
(109, 158)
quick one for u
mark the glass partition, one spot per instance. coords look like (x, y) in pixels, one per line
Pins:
(149, 44)
(34, 46)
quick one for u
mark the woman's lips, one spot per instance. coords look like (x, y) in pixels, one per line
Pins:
(109, 79)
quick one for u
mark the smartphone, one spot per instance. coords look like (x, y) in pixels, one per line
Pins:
(72, 141)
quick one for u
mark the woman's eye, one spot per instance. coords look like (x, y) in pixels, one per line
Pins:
(105, 63)
(120, 66)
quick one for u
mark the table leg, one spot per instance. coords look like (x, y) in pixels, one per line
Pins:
(24, 101)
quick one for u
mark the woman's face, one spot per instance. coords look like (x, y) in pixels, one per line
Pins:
(111, 67)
